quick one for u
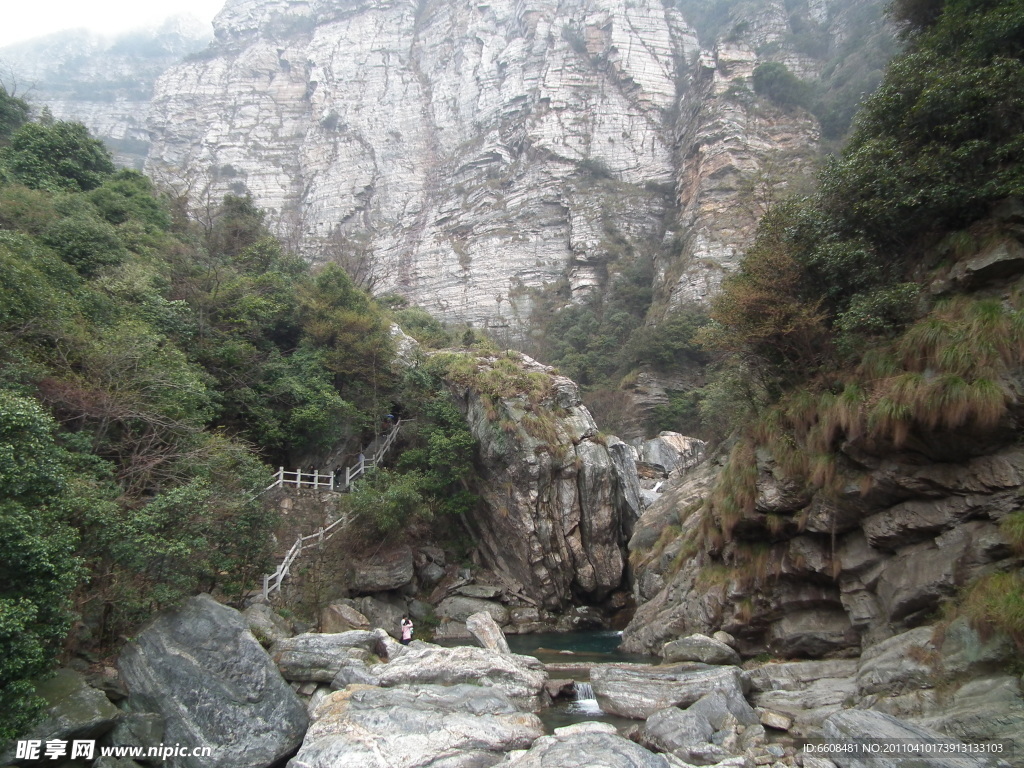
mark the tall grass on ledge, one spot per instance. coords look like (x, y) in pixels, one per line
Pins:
(996, 603)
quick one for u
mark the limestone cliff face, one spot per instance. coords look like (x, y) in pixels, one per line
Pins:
(559, 497)
(467, 154)
(103, 82)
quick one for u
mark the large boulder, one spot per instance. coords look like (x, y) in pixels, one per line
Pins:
(672, 451)
(201, 669)
(638, 691)
(388, 570)
(554, 502)
(75, 711)
(339, 616)
(265, 625)
(903, 662)
(858, 730)
(318, 658)
(521, 678)
(462, 726)
(719, 725)
(487, 632)
(459, 608)
(587, 745)
(806, 691)
(701, 648)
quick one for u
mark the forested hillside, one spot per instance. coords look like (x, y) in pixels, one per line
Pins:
(153, 366)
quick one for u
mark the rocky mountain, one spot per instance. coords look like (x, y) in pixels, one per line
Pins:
(468, 155)
(105, 83)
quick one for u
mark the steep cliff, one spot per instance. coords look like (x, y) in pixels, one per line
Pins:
(468, 154)
(877, 523)
(559, 498)
(103, 82)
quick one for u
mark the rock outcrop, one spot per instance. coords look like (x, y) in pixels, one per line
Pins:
(200, 668)
(832, 575)
(556, 502)
(467, 156)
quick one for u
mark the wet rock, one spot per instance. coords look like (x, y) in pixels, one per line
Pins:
(638, 692)
(461, 726)
(200, 668)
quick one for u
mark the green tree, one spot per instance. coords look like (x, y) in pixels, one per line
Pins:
(13, 113)
(59, 156)
(774, 81)
(38, 568)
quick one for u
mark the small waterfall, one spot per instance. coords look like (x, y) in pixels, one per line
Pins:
(584, 691)
(585, 702)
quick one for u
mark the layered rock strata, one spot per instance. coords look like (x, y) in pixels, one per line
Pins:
(468, 155)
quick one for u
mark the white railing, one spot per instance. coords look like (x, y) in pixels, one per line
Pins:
(273, 581)
(335, 481)
(332, 481)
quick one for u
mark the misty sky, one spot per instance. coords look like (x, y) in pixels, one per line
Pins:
(25, 19)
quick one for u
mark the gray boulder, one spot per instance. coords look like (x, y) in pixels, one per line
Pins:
(806, 691)
(577, 747)
(487, 632)
(904, 662)
(985, 709)
(699, 648)
(861, 727)
(383, 611)
(341, 617)
(138, 729)
(76, 711)
(388, 570)
(719, 725)
(463, 726)
(265, 625)
(481, 591)
(318, 658)
(521, 678)
(459, 608)
(201, 669)
(638, 691)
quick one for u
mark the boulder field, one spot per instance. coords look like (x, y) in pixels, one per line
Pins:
(197, 676)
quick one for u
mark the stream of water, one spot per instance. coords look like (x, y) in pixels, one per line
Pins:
(570, 649)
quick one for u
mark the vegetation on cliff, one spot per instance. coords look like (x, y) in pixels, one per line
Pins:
(151, 365)
(870, 313)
